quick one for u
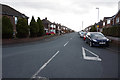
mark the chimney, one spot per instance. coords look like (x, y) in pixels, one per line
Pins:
(45, 18)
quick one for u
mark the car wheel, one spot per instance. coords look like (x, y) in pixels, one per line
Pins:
(107, 45)
(90, 44)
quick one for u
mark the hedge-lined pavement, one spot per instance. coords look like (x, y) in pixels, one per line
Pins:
(25, 40)
(114, 44)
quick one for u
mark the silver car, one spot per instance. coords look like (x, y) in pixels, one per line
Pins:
(82, 34)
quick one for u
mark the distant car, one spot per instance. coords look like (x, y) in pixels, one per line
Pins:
(96, 39)
(47, 33)
(82, 34)
(50, 33)
(79, 32)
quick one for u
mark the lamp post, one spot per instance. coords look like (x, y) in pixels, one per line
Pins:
(98, 19)
(98, 14)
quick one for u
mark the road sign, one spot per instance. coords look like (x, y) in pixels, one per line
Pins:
(98, 26)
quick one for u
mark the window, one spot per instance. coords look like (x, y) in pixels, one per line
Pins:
(108, 21)
(103, 23)
(16, 20)
(117, 20)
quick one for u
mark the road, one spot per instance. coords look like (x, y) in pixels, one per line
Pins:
(66, 56)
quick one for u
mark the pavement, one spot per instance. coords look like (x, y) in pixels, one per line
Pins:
(114, 44)
(66, 56)
(26, 40)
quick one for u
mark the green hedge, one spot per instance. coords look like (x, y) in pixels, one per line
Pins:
(34, 28)
(93, 29)
(112, 31)
(7, 27)
(22, 28)
(41, 27)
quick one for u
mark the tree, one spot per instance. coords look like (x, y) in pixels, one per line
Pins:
(7, 27)
(93, 29)
(22, 28)
(34, 28)
(41, 27)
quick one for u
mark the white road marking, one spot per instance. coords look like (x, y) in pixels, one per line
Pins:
(41, 68)
(89, 57)
(40, 78)
(66, 43)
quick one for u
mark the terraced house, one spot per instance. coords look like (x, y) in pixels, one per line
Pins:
(13, 14)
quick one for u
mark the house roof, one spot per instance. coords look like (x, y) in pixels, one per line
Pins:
(7, 10)
(107, 17)
(117, 13)
(112, 16)
(45, 21)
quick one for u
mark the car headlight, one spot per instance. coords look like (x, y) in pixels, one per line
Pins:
(107, 39)
(94, 40)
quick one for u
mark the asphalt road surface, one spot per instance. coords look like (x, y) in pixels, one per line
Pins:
(66, 56)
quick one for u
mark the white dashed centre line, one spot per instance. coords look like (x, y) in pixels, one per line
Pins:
(66, 43)
(41, 68)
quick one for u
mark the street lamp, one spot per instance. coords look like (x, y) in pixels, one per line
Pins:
(98, 14)
(98, 19)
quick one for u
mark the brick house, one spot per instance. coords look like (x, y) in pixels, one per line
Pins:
(47, 25)
(87, 29)
(53, 27)
(13, 14)
(107, 21)
(59, 28)
(116, 18)
(110, 21)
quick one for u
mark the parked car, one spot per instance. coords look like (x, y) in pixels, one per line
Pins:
(50, 33)
(96, 39)
(82, 34)
(79, 32)
(47, 33)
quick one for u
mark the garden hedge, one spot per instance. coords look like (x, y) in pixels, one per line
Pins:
(113, 31)
(7, 27)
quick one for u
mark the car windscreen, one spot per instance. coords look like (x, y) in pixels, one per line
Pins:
(97, 35)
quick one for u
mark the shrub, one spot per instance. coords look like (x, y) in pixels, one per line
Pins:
(41, 27)
(22, 28)
(34, 28)
(112, 31)
(7, 27)
(93, 29)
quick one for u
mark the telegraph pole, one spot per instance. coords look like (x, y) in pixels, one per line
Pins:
(82, 25)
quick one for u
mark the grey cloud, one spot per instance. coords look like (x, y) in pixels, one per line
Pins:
(104, 4)
(53, 7)
(77, 6)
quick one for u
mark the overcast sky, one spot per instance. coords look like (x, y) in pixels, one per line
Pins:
(70, 13)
